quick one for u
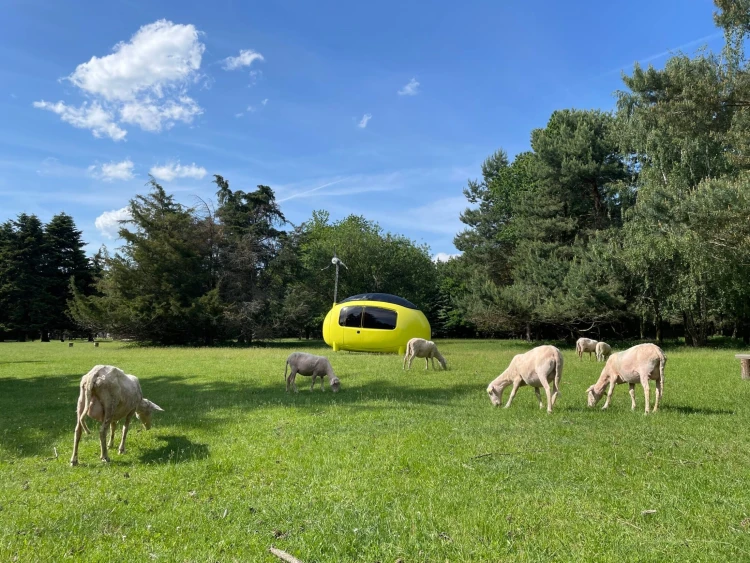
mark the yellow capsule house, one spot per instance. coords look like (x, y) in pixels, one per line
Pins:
(374, 322)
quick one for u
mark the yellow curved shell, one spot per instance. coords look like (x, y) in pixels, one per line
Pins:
(373, 332)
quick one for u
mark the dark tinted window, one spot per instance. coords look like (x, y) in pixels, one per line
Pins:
(350, 316)
(375, 317)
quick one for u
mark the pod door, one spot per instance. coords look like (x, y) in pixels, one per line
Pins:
(350, 321)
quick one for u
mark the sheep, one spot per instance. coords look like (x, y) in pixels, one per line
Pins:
(107, 394)
(421, 348)
(603, 351)
(310, 365)
(585, 345)
(537, 368)
(637, 364)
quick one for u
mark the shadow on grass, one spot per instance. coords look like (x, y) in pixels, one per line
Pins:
(38, 413)
(22, 362)
(686, 409)
(178, 449)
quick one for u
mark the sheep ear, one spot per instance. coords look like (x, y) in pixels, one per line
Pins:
(153, 406)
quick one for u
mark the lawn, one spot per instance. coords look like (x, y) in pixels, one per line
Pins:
(410, 466)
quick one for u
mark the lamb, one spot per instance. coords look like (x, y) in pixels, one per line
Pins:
(421, 348)
(585, 345)
(310, 365)
(603, 351)
(107, 394)
(637, 364)
(537, 368)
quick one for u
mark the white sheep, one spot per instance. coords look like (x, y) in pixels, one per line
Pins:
(634, 365)
(107, 394)
(585, 345)
(421, 348)
(310, 365)
(603, 351)
(537, 368)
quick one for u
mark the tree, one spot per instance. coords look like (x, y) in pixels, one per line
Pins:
(251, 240)
(65, 260)
(26, 306)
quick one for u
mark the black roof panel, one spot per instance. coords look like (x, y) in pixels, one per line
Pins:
(384, 297)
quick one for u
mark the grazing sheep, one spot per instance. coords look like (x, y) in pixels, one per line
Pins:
(585, 345)
(421, 348)
(603, 351)
(537, 368)
(310, 365)
(635, 365)
(107, 394)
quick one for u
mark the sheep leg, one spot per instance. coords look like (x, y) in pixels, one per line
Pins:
(516, 385)
(103, 437)
(433, 361)
(646, 392)
(548, 391)
(538, 397)
(631, 390)
(76, 440)
(609, 394)
(112, 427)
(291, 380)
(411, 359)
(657, 389)
(406, 357)
(426, 363)
(125, 426)
(313, 383)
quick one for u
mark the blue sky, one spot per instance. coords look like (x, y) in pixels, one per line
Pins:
(381, 109)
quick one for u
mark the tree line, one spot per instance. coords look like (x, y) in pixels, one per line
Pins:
(633, 223)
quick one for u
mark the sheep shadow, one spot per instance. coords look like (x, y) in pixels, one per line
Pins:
(687, 409)
(178, 449)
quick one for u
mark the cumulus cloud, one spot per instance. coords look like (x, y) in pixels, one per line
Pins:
(265, 101)
(88, 116)
(173, 170)
(444, 257)
(411, 89)
(245, 58)
(113, 170)
(363, 122)
(143, 82)
(108, 223)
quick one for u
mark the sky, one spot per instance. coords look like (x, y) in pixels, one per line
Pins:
(380, 109)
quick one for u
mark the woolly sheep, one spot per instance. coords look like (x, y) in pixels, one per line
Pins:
(634, 365)
(108, 394)
(421, 348)
(585, 345)
(310, 365)
(603, 351)
(537, 368)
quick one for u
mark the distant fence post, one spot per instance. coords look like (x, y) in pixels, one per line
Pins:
(745, 364)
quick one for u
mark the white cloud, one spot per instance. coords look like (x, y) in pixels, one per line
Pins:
(251, 108)
(264, 102)
(108, 223)
(173, 170)
(113, 171)
(143, 82)
(444, 257)
(411, 89)
(240, 114)
(245, 58)
(363, 122)
(152, 116)
(93, 116)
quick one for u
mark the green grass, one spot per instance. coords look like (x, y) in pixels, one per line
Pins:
(415, 465)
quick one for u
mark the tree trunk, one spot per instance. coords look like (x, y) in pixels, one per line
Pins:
(91, 337)
(528, 332)
(45, 335)
(643, 327)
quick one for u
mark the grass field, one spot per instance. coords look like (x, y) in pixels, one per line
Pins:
(413, 466)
